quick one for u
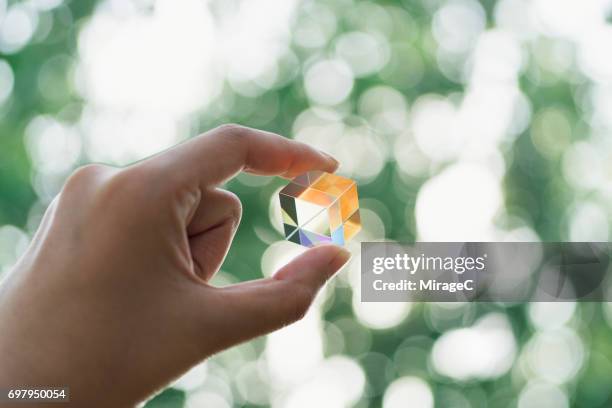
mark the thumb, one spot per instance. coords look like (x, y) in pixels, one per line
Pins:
(258, 307)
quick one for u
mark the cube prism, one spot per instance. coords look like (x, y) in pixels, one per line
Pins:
(320, 207)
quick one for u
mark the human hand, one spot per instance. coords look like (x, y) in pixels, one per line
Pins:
(111, 299)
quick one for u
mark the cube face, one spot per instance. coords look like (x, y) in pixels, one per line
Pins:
(320, 207)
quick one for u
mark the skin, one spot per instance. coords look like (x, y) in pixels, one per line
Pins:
(112, 297)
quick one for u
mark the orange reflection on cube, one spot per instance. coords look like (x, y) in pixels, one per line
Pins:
(320, 207)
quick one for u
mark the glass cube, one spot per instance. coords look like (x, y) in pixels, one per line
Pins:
(320, 207)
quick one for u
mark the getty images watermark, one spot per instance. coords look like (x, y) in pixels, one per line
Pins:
(486, 271)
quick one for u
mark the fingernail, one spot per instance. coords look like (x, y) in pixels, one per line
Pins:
(330, 157)
(341, 258)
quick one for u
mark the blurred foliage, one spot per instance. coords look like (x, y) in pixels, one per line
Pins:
(534, 190)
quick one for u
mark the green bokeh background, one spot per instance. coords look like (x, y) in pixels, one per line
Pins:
(534, 189)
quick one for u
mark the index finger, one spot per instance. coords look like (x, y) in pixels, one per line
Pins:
(223, 152)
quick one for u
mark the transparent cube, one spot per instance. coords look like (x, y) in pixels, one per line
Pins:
(320, 207)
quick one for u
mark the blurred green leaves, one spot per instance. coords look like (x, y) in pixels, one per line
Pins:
(402, 92)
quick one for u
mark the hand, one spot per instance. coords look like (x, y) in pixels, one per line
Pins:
(111, 298)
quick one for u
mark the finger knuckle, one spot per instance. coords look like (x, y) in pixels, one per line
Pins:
(236, 136)
(84, 178)
(100, 184)
(234, 207)
(232, 129)
(88, 171)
